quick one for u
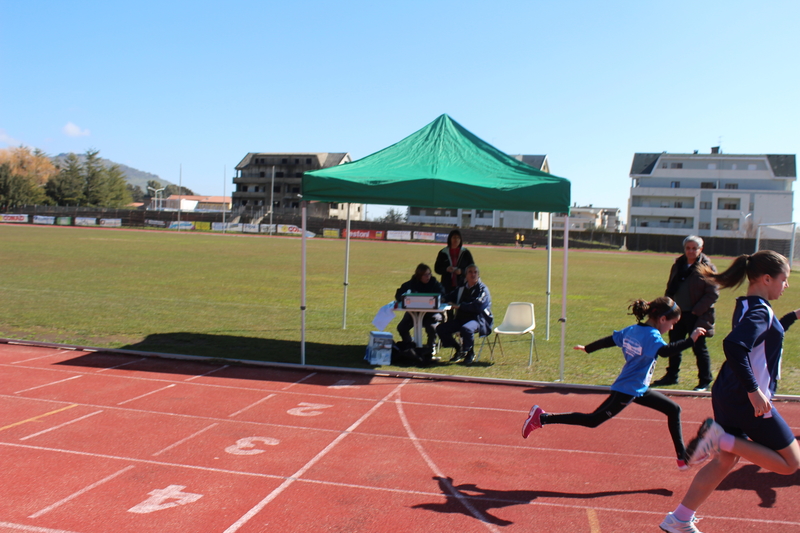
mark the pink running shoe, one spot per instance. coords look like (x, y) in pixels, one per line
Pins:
(533, 422)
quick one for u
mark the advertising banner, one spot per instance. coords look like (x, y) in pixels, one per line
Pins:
(330, 232)
(182, 225)
(205, 226)
(158, 223)
(111, 222)
(424, 236)
(377, 235)
(293, 230)
(398, 235)
(226, 226)
(441, 237)
(85, 221)
(250, 228)
(14, 218)
(39, 219)
(64, 221)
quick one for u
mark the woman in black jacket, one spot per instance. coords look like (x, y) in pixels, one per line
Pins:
(423, 282)
(696, 297)
(452, 262)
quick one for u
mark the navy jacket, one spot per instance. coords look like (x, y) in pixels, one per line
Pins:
(475, 303)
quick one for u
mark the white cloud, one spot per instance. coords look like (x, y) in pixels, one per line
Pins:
(72, 130)
(8, 139)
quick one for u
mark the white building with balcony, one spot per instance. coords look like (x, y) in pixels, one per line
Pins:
(710, 195)
(588, 218)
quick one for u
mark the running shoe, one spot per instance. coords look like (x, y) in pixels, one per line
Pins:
(706, 443)
(673, 525)
(683, 465)
(533, 422)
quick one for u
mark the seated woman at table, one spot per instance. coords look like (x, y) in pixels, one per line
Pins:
(421, 281)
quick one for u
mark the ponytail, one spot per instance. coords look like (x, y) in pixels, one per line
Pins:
(746, 266)
(662, 306)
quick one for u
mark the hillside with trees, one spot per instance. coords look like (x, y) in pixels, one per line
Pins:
(31, 177)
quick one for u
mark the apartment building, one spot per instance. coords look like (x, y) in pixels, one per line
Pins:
(263, 176)
(471, 218)
(711, 195)
(588, 218)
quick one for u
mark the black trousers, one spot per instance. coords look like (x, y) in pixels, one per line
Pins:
(615, 403)
(683, 329)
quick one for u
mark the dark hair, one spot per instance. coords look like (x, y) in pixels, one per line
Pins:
(661, 306)
(450, 237)
(472, 265)
(420, 270)
(750, 266)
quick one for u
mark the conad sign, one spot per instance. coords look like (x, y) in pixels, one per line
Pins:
(365, 234)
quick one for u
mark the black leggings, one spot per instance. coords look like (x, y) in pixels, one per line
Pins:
(615, 403)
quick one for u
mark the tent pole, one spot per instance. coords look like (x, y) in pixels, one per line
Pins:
(549, 272)
(346, 268)
(303, 286)
(563, 318)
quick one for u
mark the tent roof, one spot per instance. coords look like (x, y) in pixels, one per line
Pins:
(441, 165)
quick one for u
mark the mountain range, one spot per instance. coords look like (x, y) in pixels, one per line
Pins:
(133, 176)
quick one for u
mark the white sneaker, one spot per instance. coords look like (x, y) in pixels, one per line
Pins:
(673, 525)
(706, 443)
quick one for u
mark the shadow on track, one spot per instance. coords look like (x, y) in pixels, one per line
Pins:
(762, 482)
(484, 500)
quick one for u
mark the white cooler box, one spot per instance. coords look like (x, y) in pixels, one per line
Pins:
(421, 300)
(379, 349)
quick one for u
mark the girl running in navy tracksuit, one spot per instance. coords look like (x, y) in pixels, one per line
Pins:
(747, 425)
(641, 345)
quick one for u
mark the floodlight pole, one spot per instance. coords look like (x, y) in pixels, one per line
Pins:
(549, 272)
(563, 318)
(271, 198)
(303, 286)
(224, 171)
(180, 192)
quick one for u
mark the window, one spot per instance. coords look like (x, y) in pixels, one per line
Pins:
(712, 166)
(730, 204)
(298, 174)
(704, 225)
(705, 205)
(262, 175)
(678, 205)
(279, 174)
(284, 161)
(296, 161)
(675, 185)
(277, 188)
(751, 167)
(676, 165)
(708, 185)
(731, 185)
(728, 224)
(295, 190)
(308, 160)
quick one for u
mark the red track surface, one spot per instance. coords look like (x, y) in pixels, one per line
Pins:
(97, 442)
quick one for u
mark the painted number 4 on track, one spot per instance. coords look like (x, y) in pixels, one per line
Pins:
(161, 499)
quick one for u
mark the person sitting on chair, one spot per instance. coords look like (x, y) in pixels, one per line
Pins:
(473, 313)
(421, 281)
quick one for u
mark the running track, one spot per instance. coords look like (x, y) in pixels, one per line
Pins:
(95, 442)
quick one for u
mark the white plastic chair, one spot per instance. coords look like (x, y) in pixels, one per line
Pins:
(519, 320)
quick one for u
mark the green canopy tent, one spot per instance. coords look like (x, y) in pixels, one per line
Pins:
(443, 165)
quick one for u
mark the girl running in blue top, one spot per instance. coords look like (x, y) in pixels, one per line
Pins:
(641, 345)
(747, 425)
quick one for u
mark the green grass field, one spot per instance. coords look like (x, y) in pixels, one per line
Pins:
(229, 296)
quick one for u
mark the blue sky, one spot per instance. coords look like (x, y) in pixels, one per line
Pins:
(163, 86)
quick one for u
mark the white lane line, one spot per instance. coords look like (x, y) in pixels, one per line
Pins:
(240, 411)
(60, 425)
(297, 475)
(207, 373)
(147, 394)
(289, 386)
(84, 490)
(184, 440)
(41, 357)
(34, 529)
(47, 384)
(121, 365)
(444, 480)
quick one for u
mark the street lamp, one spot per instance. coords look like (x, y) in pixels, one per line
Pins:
(159, 198)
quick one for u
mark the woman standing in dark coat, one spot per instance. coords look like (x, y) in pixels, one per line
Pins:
(696, 297)
(452, 261)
